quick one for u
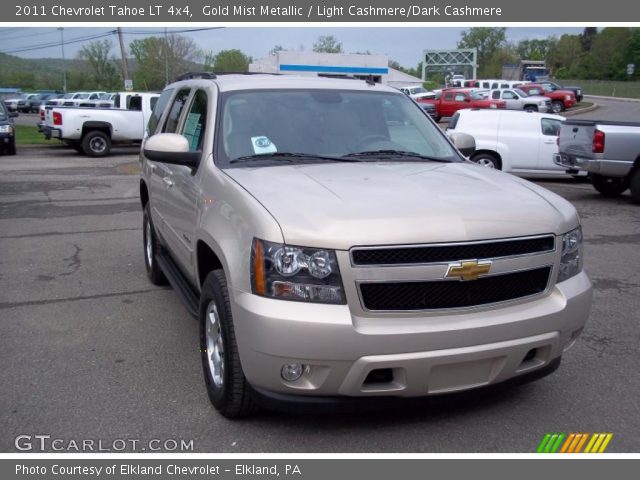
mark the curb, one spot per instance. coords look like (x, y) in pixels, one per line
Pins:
(618, 99)
(580, 110)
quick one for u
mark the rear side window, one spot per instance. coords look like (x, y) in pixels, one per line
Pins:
(157, 110)
(171, 125)
(550, 126)
(495, 95)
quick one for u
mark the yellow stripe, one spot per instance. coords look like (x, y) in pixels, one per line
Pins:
(596, 445)
(590, 444)
(606, 442)
(567, 442)
(584, 439)
(574, 443)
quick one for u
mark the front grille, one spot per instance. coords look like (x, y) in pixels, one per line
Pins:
(451, 253)
(441, 294)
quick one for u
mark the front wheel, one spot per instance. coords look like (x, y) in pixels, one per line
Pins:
(609, 186)
(634, 184)
(557, 106)
(227, 387)
(486, 160)
(531, 108)
(96, 144)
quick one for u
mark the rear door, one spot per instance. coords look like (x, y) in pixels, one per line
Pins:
(520, 136)
(549, 129)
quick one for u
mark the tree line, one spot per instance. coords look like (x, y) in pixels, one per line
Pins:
(153, 61)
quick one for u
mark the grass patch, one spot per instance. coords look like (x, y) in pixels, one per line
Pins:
(28, 135)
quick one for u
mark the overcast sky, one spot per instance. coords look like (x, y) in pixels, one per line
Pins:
(404, 44)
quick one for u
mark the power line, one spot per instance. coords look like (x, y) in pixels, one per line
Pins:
(43, 46)
(4, 39)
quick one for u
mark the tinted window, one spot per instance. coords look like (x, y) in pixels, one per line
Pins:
(448, 97)
(550, 126)
(171, 125)
(196, 121)
(495, 95)
(157, 110)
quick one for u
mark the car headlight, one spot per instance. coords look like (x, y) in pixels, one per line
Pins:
(571, 259)
(542, 103)
(295, 273)
(6, 129)
(567, 97)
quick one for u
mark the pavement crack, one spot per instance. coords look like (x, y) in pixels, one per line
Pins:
(7, 305)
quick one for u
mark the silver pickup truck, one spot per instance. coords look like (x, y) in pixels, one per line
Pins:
(337, 247)
(609, 151)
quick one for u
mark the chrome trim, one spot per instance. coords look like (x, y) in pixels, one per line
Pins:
(545, 292)
(451, 244)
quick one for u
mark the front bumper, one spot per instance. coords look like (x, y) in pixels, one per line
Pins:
(607, 168)
(418, 356)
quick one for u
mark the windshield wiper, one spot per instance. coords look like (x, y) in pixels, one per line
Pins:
(289, 157)
(389, 154)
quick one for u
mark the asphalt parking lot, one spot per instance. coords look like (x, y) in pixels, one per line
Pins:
(90, 349)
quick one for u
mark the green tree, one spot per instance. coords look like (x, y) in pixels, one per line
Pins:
(535, 49)
(564, 55)
(327, 44)
(230, 61)
(161, 59)
(102, 68)
(276, 49)
(487, 40)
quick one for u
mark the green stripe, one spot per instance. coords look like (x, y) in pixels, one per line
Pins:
(550, 443)
(558, 443)
(543, 443)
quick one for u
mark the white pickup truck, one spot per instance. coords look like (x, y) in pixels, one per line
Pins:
(93, 130)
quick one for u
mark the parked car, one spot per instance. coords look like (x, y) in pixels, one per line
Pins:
(417, 92)
(609, 151)
(497, 83)
(7, 130)
(37, 100)
(577, 91)
(334, 253)
(94, 130)
(511, 141)
(517, 99)
(449, 100)
(560, 99)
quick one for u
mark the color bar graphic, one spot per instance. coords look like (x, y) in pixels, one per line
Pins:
(574, 442)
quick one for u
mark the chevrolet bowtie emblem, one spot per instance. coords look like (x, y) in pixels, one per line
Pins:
(468, 269)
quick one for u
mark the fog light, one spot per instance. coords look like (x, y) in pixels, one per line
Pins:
(292, 372)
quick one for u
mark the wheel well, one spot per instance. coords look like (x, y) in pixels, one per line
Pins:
(91, 126)
(207, 261)
(495, 155)
(144, 194)
(531, 105)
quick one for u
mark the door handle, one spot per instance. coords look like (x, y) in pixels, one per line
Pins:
(550, 142)
(167, 181)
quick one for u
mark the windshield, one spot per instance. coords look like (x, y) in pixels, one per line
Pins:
(521, 93)
(418, 90)
(68, 95)
(324, 123)
(82, 96)
(480, 95)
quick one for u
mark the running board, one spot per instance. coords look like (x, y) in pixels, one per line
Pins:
(179, 283)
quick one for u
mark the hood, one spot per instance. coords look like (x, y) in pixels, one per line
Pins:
(340, 205)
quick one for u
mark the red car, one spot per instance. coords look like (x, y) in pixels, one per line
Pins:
(560, 99)
(449, 100)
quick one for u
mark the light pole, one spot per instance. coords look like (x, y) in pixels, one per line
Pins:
(64, 65)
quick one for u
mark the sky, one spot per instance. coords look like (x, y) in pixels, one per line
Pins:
(403, 44)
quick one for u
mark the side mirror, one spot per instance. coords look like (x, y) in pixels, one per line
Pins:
(464, 142)
(171, 148)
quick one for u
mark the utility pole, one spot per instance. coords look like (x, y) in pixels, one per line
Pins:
(166, 58)
(123, 54)
(64, 63)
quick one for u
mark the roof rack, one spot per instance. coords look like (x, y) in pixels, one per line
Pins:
(214, 75)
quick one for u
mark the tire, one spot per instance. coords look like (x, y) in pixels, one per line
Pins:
(227, 387)
(151, 248)
(96, 144)
(530, 108)
(610, 187)
(634, 185)
(486, 160)
(557, 106)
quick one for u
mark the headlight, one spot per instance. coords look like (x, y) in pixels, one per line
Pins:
(571, 259)
(295, 273)
(542, 103)
(6, 129)
(567, 97)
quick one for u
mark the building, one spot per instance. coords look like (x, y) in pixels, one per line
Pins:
(334, 65)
